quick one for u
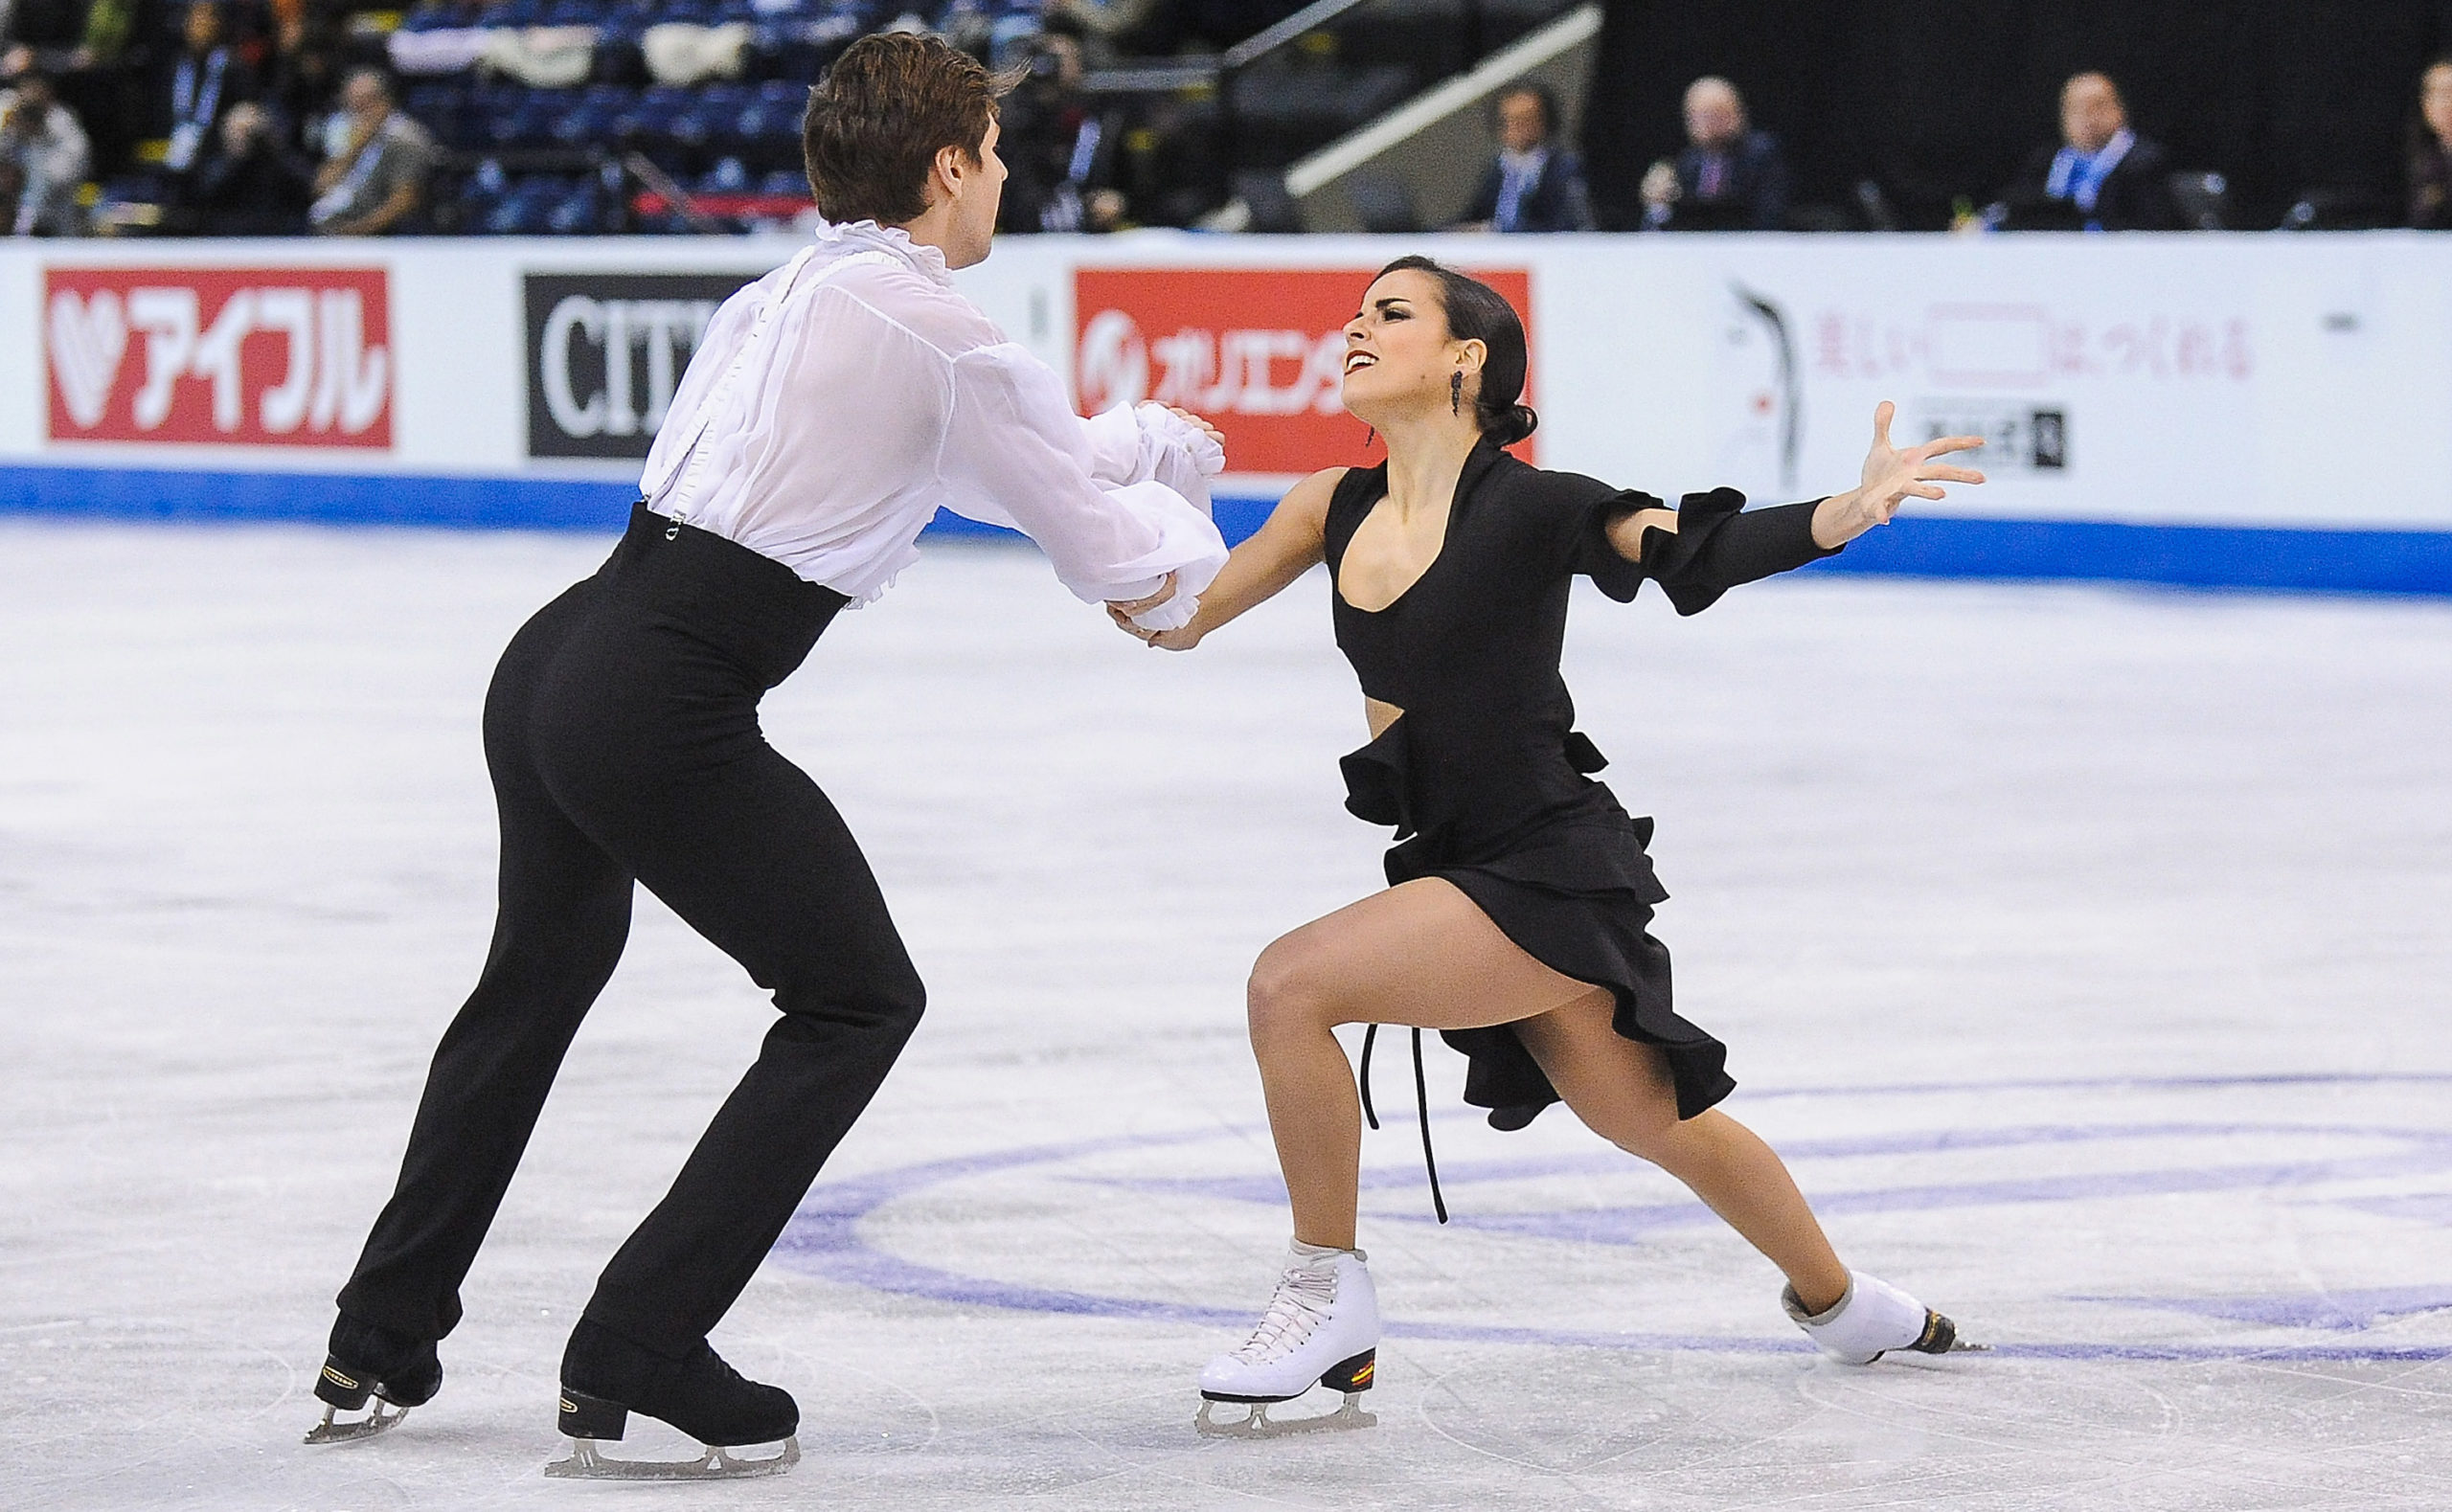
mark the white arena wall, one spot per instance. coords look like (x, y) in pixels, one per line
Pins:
(2256, 410)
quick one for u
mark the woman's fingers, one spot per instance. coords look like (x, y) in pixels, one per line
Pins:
(1882, 413)
(1166, 591)
(1188, 415)
(1943, 445)
(1950, 475)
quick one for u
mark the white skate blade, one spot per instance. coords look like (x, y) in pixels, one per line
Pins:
(376, 1421)
(1258, 1424)
(716, 1464)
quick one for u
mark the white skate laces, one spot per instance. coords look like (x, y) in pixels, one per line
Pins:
(1322, 1324)
(1302, 1302)
(1873, 1317)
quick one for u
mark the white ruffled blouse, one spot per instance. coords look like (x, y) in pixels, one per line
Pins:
(838, 402)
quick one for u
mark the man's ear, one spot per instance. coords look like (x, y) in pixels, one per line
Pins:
(951, 170)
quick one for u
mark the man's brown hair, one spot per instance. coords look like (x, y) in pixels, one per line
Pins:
(878, 118)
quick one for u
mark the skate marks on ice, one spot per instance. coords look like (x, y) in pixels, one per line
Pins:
(2156, 1260)
(2123, 1196)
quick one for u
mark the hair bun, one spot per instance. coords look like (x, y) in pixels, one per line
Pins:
(1512, 424)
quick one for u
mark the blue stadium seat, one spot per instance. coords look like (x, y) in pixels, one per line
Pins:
(541, 204)
(530, 122)
(513, 12)
(576, 211)
(594, 117)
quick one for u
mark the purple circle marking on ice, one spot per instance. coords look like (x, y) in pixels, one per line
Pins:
(824, 1237)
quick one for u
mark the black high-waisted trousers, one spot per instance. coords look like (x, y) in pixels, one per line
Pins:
(621, 733)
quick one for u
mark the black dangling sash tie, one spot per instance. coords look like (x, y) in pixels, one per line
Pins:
(1421, 1104)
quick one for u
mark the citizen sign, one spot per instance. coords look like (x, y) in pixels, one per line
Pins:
(227, 356)
(1259, 354)
(605, 352)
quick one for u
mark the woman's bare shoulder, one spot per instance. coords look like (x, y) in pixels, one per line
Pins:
(1309, 498)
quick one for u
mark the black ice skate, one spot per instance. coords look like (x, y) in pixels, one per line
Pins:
(366, 1361)
(606, 1377)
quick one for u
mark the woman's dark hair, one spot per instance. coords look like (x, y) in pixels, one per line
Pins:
(878, 119)
(1475, 311)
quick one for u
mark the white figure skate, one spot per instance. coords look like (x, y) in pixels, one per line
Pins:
(1871, 1319)
(1321, 1325)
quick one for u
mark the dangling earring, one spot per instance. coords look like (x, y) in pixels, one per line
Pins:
(1371, 439)
(1456, 393)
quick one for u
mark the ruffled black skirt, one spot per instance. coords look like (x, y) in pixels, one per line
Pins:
(1574, 893)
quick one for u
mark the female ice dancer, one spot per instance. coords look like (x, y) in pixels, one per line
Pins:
(1519, 892)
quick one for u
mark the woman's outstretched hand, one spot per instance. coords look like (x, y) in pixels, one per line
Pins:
(1890, 476)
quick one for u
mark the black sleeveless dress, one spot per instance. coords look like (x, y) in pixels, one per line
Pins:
(1484, 776)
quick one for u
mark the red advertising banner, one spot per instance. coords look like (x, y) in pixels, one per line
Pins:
(228, 356)
(1259, 354)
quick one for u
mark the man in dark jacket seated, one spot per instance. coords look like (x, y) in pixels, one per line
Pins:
(1530, 185)
(2103, 177)
(1729, 178)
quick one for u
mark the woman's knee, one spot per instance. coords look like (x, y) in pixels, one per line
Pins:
(1286, 994)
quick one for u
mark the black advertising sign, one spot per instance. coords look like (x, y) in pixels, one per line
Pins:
(606, 349)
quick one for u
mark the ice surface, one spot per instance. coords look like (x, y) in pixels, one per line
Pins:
(2087, 951)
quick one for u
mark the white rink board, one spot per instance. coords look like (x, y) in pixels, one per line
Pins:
(2085, 950)
(2207, 379)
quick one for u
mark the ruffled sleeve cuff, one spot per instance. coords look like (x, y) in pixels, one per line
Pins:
(1719, 543)
(1596, 556)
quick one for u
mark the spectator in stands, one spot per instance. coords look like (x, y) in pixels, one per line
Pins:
(1729, 177)
(1530, 185)
(1058, 149)
(255, 185)
(303, 82)
(375, 185)
(2103, 177)
(62, 36)
(206, 79)
(2431, 150)
(43, 160)
(1110, 28)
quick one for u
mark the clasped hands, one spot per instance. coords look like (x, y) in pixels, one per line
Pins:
(1122, 612)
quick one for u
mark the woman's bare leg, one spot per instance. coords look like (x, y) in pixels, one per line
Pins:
(1420, 954)
(1621, 1091)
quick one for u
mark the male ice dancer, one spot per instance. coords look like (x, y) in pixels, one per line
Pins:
(833, 405)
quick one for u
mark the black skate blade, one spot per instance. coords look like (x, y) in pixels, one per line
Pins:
(1258, 1424)
(376, 1421)
(1940, 1336)
(716, 1464)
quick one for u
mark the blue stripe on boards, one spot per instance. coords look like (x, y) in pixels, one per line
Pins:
(2183, 556)
(480, 504)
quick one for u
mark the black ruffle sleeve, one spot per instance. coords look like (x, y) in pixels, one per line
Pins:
(1596, 556)
(1719, 543)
